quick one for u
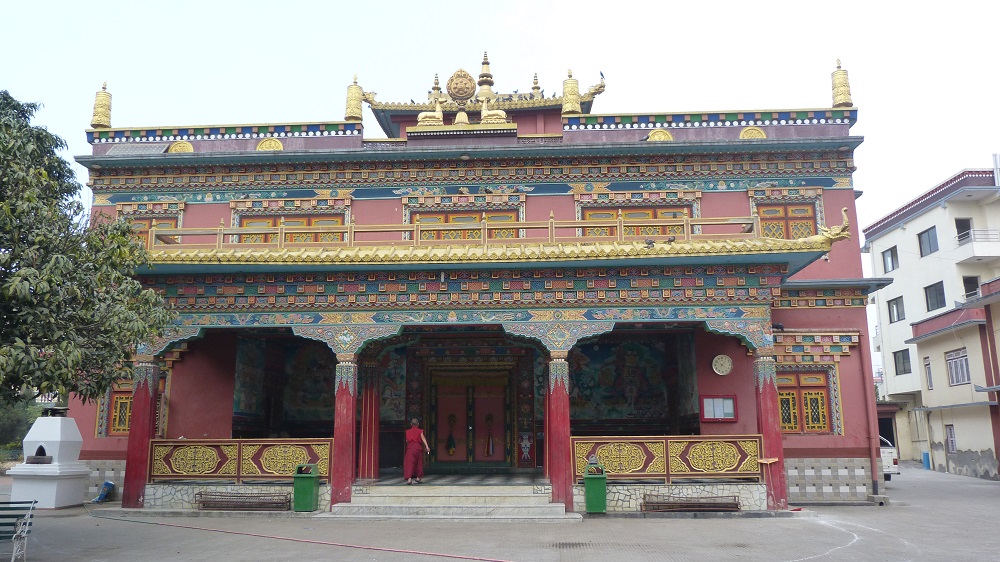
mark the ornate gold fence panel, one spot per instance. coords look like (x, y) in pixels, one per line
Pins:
(672, 458)
(236, 460)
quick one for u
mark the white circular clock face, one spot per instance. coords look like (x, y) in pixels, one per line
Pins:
(722, 364)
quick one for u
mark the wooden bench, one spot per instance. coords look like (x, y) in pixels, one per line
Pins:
(655, 503)
(15, 526)
(244, 501)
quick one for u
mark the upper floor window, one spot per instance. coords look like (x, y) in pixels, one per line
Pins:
(963, 227)
(804, 402)
(301, 226)
(896, 312)
(934, 295)
(928, 241)
(958, 367)
(971, 286)
(927, 373)
(468, 218)
(787, 220)
(890, 259)
(141, 226)
(632, 213)
(901, 359)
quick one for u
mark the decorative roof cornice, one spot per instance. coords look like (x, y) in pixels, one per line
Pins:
(742, 118)
(520, 253)
(212, 132)
(941, 192)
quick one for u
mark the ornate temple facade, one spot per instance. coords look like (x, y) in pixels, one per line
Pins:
(675, 295)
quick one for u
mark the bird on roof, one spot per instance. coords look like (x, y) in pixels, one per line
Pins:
(602, 74)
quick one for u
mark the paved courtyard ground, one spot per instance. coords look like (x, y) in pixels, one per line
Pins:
(931, 516)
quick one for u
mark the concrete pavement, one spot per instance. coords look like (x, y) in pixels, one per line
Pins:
(931, 516)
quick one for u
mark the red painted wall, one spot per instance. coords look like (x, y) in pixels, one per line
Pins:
(740, 382)
(200, 397)
(94, 447)
(845, 256)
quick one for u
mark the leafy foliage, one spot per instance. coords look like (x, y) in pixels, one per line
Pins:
(71, 312)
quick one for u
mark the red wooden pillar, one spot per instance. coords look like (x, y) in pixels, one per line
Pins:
(769, 426)
(343, 428)
(141, 429)
(368, 448)
(557, 442)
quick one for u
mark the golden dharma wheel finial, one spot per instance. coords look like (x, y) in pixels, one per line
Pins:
(102, 109)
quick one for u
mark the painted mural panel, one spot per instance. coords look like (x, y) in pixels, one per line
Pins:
(618, 379)
(248, 398)
(310, 390)
(392, 385)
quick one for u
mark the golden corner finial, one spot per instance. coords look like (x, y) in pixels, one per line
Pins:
(102, 109)
(569, 73)
(486, 58)
(355, 94)
(841, 88)
(571, 96)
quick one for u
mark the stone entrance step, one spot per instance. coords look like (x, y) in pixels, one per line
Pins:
(428, 501)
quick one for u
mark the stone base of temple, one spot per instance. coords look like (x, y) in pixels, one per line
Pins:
(181, 495)
(624, 498)
(102, 471)
(828, 480)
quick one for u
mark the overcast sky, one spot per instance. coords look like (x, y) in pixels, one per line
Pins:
(925, 82)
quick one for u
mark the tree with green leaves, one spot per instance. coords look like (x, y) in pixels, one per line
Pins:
(71, 311)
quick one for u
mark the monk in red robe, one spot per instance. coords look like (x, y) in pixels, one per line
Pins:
(413, 459)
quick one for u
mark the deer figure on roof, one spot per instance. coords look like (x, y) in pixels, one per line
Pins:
(491, 116)
(431, 118)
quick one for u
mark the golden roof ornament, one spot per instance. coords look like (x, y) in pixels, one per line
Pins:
(461, 87)
(841, 88)
(354, 97)
(435, 93)
(571, 95)
(536, 91)
(102, 109)
(485, 80)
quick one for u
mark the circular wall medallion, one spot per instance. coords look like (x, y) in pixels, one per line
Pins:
(461, 86)
(722, 364)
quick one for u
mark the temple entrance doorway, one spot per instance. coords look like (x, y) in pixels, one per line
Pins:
(470, 420)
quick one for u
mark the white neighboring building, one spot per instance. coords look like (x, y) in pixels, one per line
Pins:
(938, 348)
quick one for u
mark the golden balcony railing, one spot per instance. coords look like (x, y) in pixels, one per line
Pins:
(236, 460)
(672, 458)
(482, 233)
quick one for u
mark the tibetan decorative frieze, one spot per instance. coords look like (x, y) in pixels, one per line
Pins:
(236, 460)
(799, 348)
(476, 289)
(671, 458)
(395, 173)
(821, 298)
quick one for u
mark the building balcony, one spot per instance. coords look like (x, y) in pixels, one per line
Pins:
(946, 323)
(978, 247)
(674, 241)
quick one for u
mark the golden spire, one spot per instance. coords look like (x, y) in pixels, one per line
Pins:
(841, 88)
(354, 96)
(102, 109)
(536, 92)
(435, 92)
(571, 95)
(485, 80)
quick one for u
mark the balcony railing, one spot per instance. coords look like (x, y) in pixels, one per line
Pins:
(236, 460)
(480, 233)
(672, 458)
(978, 235)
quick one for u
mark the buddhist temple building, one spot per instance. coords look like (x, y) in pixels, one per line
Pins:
(676, 296)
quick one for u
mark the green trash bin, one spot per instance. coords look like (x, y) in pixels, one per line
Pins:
(595, 487)
(305, 488)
